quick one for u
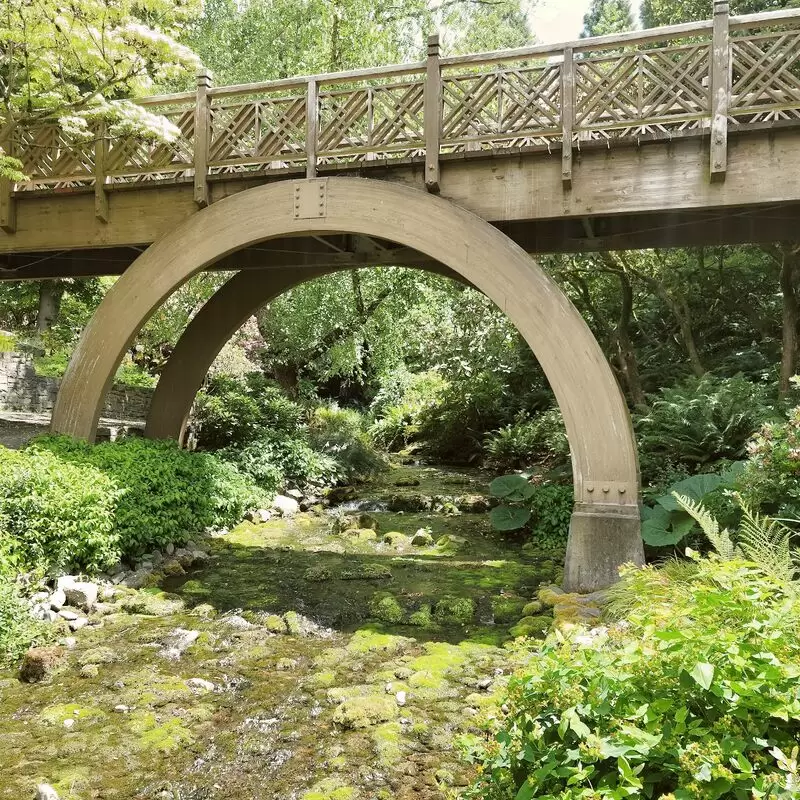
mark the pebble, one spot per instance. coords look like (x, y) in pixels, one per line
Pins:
(77, 624)
(401, 698)
(200, 683)
(68, 723)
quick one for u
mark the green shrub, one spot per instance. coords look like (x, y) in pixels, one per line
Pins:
(18, 631)
(167, 494)
(771, 480)
(702, 420)
(544, 509)
(257, 462)
(695, 698)
(55, 514)
(341, 435)
(230, 412)
(542, 439)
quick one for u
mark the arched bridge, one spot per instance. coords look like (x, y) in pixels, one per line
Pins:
(680, 135)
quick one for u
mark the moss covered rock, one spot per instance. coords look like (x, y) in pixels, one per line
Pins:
(454, 610)
(386, 608)
(363, 712)
(537, 626)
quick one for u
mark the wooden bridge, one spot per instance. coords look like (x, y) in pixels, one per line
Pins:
(674, 136)
(682, 135)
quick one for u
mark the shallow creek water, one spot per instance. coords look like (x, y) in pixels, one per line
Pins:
(353, 708)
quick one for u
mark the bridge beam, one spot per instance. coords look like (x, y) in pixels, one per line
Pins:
(605, 531)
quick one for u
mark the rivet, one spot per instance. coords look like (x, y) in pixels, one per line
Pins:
(590, 488)
(605, 489)
(622, 490)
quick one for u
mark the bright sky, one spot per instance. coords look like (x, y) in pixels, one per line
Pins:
(556, 21)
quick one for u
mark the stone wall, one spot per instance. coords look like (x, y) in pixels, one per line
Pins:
(21, 389)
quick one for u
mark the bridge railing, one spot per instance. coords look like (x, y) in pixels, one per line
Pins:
(701, 77)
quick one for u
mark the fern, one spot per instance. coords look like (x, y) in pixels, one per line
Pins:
(720, 540)
(767, 542)
(761, 539)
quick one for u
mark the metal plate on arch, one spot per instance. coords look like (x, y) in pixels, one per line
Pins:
(311, 198)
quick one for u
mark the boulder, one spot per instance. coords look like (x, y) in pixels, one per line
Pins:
(40, 663)
(422, 538)
(296, 494)
(44, 791)
(177, 642)
(58, 600)
(285, 506)
(81, 594)
(472, 504)
(77, 624)
(410, 502)
(200, 684)
(172, 568)
(137, 579)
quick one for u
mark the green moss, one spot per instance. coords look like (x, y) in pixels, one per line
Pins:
(532, 609)
(275, 624)
(422, 617)
(396, 539)
(56, 714)
(458, 610)
(98, 655)
(385, 607)
(321, 680)
(329, 789)
(368, 640)
(386, 739)
(153, 603)
(363, 712)
(366, 572)
(536, 626)
(294, 622)
(317, 573)
(507, 608)
(424, 679)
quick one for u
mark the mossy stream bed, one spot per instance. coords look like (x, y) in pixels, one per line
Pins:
(331, 666)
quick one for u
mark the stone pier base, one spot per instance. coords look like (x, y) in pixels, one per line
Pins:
(601, 539)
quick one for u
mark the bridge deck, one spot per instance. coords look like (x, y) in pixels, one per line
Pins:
(565, 147)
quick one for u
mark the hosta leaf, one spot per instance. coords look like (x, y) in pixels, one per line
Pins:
(509, 518)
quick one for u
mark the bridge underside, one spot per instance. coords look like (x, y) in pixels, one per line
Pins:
(655, 194)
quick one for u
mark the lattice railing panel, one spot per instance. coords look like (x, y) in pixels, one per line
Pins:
(371, 121)
(502, 108)
(257, 133)
(131, 160)
(765, 84)
(642, 91)
(51, 159)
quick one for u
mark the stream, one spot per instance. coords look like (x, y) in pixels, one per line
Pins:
(312, 658)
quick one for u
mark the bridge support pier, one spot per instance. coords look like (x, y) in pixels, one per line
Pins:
(605, 527)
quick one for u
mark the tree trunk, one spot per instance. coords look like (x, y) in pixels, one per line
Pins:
(790, 318)
(626, 356)
(50, 294)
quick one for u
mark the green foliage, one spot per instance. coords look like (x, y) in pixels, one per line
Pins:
(526, 441)
(772, 478)
(341, 435)
(55, 514)
(607, 16)
(18, 631)
(165, 494)
(665, 522)
(702, 420)
(673, 12)
(544, 508)
(232, 412)
(694, 699)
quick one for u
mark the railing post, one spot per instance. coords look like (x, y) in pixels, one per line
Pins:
(312, 128)
(8, 205)
(720, 90)
(202, 137)
(567, 116)
(100, 193)
(432, 114)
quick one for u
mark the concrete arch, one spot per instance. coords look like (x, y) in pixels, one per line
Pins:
(605, 528)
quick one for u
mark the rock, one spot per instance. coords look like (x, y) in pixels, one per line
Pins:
(103, 609)
(340, 494)
(395, 538)
(367, 521)
(156, 557)
(77, 624)
(184, 557)
(69, 642)
(484, 683)
(154, 604)
(367, 572)
(58, 600)
(199, 558)
(177, 642)
(119, 577)
(286, 664)
(44, 791)
(89, 671)
(285, 506)
(137, 579)
(191, 545)
(296, 494)
(407, 482)
(422, 538)
(67, 614)
(472, 504)
(235, 621)
(82, 594)
(200, 684)
(362, 712)
(38, 598)
(68, 723)
(533, 608)
(40, 663)
(317, 573)
(275, 624)
(264, 515)
(169, 549)
(98, 655)
(400, 698)
(410, 502)
(172, 568)
(344, 522)
(121, 709)
(107, 593)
